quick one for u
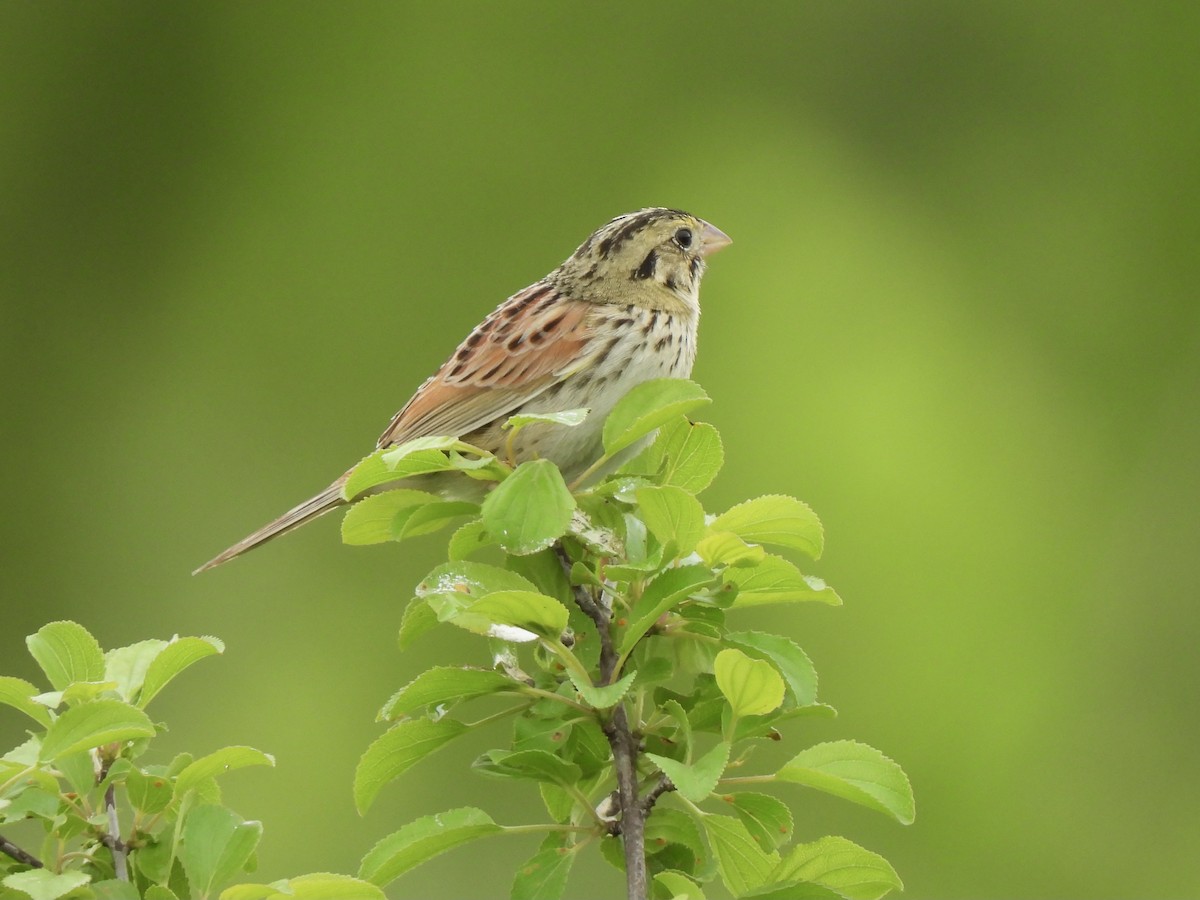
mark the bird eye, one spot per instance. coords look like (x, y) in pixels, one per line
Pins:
(683, 237)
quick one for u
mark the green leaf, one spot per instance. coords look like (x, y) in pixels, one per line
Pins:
(19, 695)
(216, 846)
(321, 886)
(419, 618)
(743, 865)
(471, 580)
(148, 793)
(83, 691)
(672, 515)
(158, 892)
(444, 686)
(604, 697)
(664, 592)
(775, 519)
(195, 773)
(696, 781)
(500, 611)
(646, 407)
(422, 840)
(467, 540)
(114, 890)
(92, 724)
(568, 417)
(42, 884)
(397, 463)
(431, 517)
(544, 875)
(683, 454)
(126, 666)
(67, 652)
(675, 886)
(723, 548)
(534, 765)
(841, 865)
(530, 509)
(752, 686)
(792, 662)
(767, 818)
(673, 826)
(396, 751)
(179, 654)
(775, 580)
(370, 520)
(854, 772)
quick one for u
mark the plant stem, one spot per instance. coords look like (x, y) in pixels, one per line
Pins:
(8, 848)
(112, 840)
(623, 743)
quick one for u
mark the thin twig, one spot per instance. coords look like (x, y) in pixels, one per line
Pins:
(8, 848)
(661, 787)
(621, 740)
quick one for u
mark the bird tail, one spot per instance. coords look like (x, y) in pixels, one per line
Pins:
(322, 503)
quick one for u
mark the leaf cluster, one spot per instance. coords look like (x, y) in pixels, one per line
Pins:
(608, 606)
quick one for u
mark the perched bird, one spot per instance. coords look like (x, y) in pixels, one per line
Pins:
(622, 309)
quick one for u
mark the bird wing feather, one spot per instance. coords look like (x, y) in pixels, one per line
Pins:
(533, 340)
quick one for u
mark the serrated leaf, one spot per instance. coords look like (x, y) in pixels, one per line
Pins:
(544, 875)
(467, 539)
(419, 618)
(396, 751)
(374, 470)
(371, 520)
(604, 697)
(673, 826)
(767, 818)
(471, 580)
(526, 610)
(127, 666)
(530, 509)
(568, 417)
(723, 548)
(216, 846)
(444, 686)
(148, 793)
(646, 407)
(92, 724)
(752, 686)
(320, 886)
(775, 580)
(430, 518)
(854, 772)
(113, 889)
(67, 652)
(197, 772)
(676, 886)
(743, 865)
(683, 454)
(19, 695)
(179, 654)
(42, 884)
(841, 865)
(775, 519)
(534, 765)
(664, 592)
(672, 515)
(422, 840)
(791, 661)
(696, 781)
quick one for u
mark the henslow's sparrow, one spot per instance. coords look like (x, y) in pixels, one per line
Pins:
(622, 309)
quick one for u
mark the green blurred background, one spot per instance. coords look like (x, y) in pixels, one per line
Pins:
(959, 318)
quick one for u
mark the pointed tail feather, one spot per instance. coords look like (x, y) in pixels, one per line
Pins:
(322, 503)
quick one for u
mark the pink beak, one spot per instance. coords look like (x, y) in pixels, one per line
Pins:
(713, 239)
